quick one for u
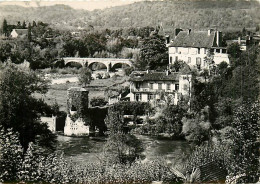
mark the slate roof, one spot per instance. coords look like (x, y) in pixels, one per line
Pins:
(21, 31)
(153, 76)
(194, 39)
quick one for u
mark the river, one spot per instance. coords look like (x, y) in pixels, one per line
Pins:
(84, 149)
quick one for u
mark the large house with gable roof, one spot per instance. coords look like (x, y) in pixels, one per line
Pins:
(193, 47)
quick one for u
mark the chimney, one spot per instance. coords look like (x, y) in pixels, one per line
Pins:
(219, 38)
(177, 30)
(189, 30)
(210, 31)
(167, 39)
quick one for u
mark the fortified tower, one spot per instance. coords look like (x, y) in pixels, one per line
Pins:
(77, 106)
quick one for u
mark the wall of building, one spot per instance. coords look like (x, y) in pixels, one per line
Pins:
(51, 122)
(184, 53)
(185, 84)
(14, 34)
(76, 128)
(191, 55)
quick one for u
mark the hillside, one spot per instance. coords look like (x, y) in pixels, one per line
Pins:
(186, 14)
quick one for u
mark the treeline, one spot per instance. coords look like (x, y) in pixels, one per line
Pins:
(185, 14)
(44, 47)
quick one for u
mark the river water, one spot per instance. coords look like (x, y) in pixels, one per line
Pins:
(84, 149)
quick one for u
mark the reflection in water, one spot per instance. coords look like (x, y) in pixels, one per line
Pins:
(84, 149)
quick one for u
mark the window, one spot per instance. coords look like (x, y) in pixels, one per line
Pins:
(189, 59)
(138, 85)
(176, 58)
(198, 61)
(176, 49)
(170, 59)
(224, 51)
(176, 87)
(73, 108)
(198, 50)
(217, 50)
(205, 51)
(160, 86)
(185, 87)
(151, 85)
(138, 97)
(168, 86)
(151, 97)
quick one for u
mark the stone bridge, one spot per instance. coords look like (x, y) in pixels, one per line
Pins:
(109, 62)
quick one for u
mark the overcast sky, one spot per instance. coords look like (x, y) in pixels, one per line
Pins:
(80, 4)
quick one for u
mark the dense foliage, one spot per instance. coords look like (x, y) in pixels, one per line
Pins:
(153, 53)
(98, 101)
(19, 110)
(35, 166)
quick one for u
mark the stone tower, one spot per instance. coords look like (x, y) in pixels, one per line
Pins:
(77, 106)
(77, 101)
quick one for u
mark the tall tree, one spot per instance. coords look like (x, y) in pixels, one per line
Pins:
(19, 109)
(85, 76)
(153, 53)
(5, 28)
(24, 25)
(29, 32)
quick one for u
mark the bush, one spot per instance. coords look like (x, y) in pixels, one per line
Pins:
(98, 101)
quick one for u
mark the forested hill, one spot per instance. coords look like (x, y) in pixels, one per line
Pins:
(199, 14)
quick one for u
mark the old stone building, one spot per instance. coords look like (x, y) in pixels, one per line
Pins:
(77, 105)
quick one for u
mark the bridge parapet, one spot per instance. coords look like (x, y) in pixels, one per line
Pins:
(109, 62)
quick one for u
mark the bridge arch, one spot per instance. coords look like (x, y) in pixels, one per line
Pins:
(73, 62)
(108, 62)
(90, 65)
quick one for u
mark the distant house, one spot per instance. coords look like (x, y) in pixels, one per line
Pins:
(193, 46)
(243, 43)
(147, 86)
(19, 33)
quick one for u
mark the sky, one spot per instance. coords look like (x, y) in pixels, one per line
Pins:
(78, 4)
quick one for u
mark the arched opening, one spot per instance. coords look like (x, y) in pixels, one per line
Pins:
(73, 64)
(97, 66)
(120, 68)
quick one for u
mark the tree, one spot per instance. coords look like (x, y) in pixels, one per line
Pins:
(34, 24)
(29, 32)
(10, 154)
(170, 120)
(5, 28)
(18, 26)
(234, 50)
(244, 149)
(123, 148)
(196, 129)
(153, 53)
(19, 109)
(24, 25)
(85, 76)
(177, 65)
(114, 121)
